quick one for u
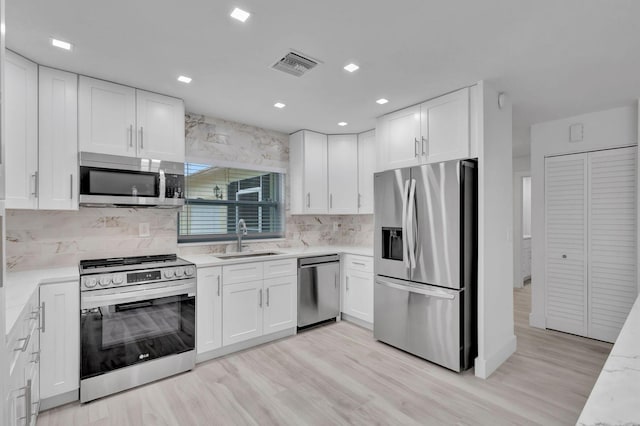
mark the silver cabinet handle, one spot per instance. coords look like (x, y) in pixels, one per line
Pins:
(415, 147)
(25, 343)
(358, 263)
(335, 280)
(37, 184)
(71, 186)
(27, 403)
(330, 201)
(34, 176)
(267, 296)
(36, 359)
(218, 285)
(130, 135)
(42, 318)
(141, 137)
(359, 203)
(260, 302)
(308, 199)
(425, 146)
(347, 283)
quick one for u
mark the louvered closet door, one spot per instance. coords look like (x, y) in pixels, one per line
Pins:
(566, 237)
(612, 240)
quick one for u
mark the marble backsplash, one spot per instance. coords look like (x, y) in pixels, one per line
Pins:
(45, 239)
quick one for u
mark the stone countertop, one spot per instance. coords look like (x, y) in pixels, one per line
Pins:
(20, 286)
(210, 259)
(615, 398)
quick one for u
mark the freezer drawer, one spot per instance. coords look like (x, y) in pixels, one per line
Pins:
(420, 319)
(318, 290)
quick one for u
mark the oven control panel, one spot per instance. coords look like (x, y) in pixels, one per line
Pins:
(97, 281)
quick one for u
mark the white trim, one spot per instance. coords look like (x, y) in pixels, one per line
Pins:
(485, 367)
(356, 321)
(226, 350)
(236, 165)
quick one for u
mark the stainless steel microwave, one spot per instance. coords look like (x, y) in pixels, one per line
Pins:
(113, 180)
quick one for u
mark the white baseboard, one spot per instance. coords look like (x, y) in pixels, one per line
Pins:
(538, 321)
(58, 400)
(485, 367)
(226, 350)
(357, 321)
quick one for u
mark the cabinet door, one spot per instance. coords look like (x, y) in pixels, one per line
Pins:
(209, 309)
(21, 132)
(315, 173)
(342, 170)
(160, 121)
(366, 168)
(401, 139)
(280, 304)
(106, 117)
(359, 295)
(242, 312)
(445, 127)
(59, 338)
(58, 140)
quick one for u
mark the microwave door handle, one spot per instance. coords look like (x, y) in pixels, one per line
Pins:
(405, 196)
(411, 224)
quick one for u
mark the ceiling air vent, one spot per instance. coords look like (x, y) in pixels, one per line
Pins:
(295, 64)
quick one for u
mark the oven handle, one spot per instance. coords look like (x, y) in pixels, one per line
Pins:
(90, 301)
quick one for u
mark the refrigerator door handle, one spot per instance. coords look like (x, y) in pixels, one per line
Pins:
(405, 251)
(412, 289)
(411, 234)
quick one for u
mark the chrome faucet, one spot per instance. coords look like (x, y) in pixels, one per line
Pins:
(241, 230)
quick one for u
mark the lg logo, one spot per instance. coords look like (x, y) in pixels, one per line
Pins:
(143, 356)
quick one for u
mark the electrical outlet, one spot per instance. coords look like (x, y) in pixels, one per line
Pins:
(143, 229)
(336, 227)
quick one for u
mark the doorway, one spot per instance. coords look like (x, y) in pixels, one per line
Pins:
(521, 229)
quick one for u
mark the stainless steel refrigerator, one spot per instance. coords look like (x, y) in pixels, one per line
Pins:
(425, 249)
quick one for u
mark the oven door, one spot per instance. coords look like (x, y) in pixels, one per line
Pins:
(120, 328)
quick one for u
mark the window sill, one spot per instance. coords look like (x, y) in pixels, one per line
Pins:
(219, 243)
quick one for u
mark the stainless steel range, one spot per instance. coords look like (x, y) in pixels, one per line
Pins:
(137, 322)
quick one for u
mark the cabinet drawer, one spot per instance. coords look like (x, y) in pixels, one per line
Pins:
(280, 268)
(358, 263)
(241, 273)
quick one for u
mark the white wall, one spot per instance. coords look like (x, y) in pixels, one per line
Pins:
(605, 129)
(496, 340)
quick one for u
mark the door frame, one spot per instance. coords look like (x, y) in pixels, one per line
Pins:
(517, 228)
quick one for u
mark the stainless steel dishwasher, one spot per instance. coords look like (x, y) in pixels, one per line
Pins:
(318, 289)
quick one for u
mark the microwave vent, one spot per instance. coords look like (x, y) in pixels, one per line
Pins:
(295, 64)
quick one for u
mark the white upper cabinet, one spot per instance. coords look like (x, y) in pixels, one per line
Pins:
(106, 117)
(434, 131)
(160, 121)
(308, 172)
(21, 132)
(343, 174)
(445, 127)
(120, 120)
(366, 168)
(58, 140)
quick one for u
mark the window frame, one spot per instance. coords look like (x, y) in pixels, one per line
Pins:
(230, 237)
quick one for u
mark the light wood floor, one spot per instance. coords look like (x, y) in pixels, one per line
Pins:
(337, 374)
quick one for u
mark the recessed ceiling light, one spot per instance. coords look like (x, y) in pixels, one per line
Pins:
(279, 105)
(61, 44)
(382, 101)
(240, 14)
(342, 123)
(351, 67)
(184, 79)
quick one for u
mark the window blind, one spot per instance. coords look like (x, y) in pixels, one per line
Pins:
(216, 198)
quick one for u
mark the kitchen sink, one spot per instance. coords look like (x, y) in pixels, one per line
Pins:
(247, 255)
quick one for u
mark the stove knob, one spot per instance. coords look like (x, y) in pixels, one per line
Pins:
(168, 273)
(118, 278)
(189, 270)
(105, 280)
(90, 282)
(179, 271)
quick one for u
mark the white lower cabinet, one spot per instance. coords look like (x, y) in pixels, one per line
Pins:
(60, 338)
(259, 307)
(209, 309)
(358, 287)
(241, 312)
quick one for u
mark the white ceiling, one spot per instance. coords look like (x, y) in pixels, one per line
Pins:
(553, 58)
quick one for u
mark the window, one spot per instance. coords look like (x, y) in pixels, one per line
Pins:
(216, 198)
